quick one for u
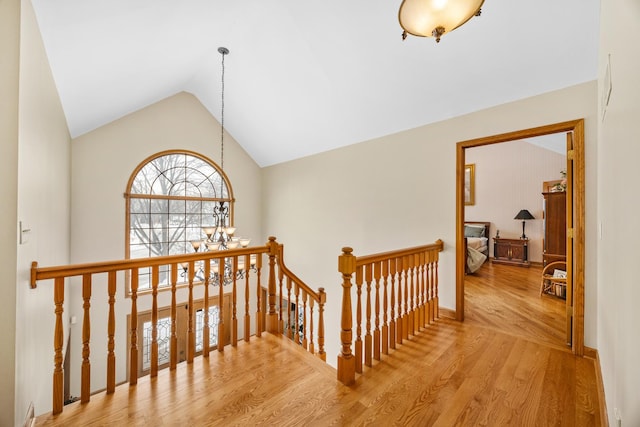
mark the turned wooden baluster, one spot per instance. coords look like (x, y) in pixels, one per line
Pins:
(419, 301)
(304, 319)
(433, 286)
(247, 318)
(85, 389)
(428, 290)
(358, 342)
(173, 339)
(154, 321)
(392, 322)
(206, 329)
(322, 299)
(385, 308)
(259, 314)
(111, 332)
(346, 361)
(221, 338)
(423, 297)
(412, 307)
(296, 314)
(133, 353)
(430, 286)
(289, 332)
(415, 278)
(311, 345)
(407, 308)
(425, 283)
(191, 335)
(281, 308)
(436, 301)
(376, 331)
(58, 339)
(368, 344)
(400, 319)
(234, 303)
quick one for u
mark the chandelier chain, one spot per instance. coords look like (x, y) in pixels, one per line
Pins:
(223, 52)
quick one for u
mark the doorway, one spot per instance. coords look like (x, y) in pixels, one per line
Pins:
(164, 327)
(576, 240)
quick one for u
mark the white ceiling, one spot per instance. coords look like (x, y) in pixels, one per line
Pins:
(556, 142)
(308, 76)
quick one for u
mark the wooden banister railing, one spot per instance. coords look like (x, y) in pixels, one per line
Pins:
(403, 286)
(193, 273)
(297, 329)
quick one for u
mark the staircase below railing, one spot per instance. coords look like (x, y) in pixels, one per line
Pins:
(403, 286)
(187, 267)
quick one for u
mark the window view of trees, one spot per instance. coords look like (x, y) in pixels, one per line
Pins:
(171, 197)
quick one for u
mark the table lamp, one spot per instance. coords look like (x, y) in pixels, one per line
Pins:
(524, 215)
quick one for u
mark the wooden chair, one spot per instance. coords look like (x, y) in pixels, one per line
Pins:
(549, 282)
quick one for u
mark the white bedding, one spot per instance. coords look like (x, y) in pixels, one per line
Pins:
(477, 243)
(475, 259)
(477, 248)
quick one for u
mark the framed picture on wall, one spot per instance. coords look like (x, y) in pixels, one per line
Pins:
(470, 184)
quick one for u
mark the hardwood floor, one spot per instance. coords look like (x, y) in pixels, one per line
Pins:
(478, 373)
(507, 298)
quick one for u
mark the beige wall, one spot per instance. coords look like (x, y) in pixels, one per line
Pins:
(618, 153)
(43, 207)
(386, 193)
(102, 163)
(509, 178)
(9, 77)
(399, 191)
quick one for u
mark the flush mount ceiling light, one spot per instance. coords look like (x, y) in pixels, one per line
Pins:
(433, 18)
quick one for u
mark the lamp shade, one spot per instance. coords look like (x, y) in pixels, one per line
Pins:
(524, 214)
(433, 18)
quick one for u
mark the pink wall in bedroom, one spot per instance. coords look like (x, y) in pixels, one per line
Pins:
(508, 177)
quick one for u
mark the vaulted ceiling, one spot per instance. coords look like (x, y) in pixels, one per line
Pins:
(304, 77)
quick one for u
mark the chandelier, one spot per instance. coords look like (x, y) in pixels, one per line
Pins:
(220, 236)
(433, 18)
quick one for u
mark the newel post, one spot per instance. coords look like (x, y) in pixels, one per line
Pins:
(272, 316)
(346, 360)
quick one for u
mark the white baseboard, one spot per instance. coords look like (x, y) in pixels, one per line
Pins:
(30, 418)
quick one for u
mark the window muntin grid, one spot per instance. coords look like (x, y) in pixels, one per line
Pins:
(214, 321)
(163, 335)
(163, 331)
(171, 197)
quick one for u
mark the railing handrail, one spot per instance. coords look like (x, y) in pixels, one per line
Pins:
(44, 273)
(319, 297)
(398, 253)
(185, 265)
(295, 279)
(413, 272)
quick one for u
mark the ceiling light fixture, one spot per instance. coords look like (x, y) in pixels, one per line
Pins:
(433, 18)
(220, 235)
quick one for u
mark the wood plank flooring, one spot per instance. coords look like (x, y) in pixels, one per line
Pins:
(507, 298)
(450, 374)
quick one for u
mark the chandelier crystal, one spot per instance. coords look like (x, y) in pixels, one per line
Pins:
(434, 18)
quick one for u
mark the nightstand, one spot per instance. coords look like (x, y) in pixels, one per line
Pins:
(511, 251)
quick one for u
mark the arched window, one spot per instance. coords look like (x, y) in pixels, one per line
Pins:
(170, 198)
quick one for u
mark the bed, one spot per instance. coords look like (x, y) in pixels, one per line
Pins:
(476, 244)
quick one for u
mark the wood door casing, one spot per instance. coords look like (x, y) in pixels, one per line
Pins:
(569, 226)
(576, 127)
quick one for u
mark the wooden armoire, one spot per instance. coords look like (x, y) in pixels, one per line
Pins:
(555, 227)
